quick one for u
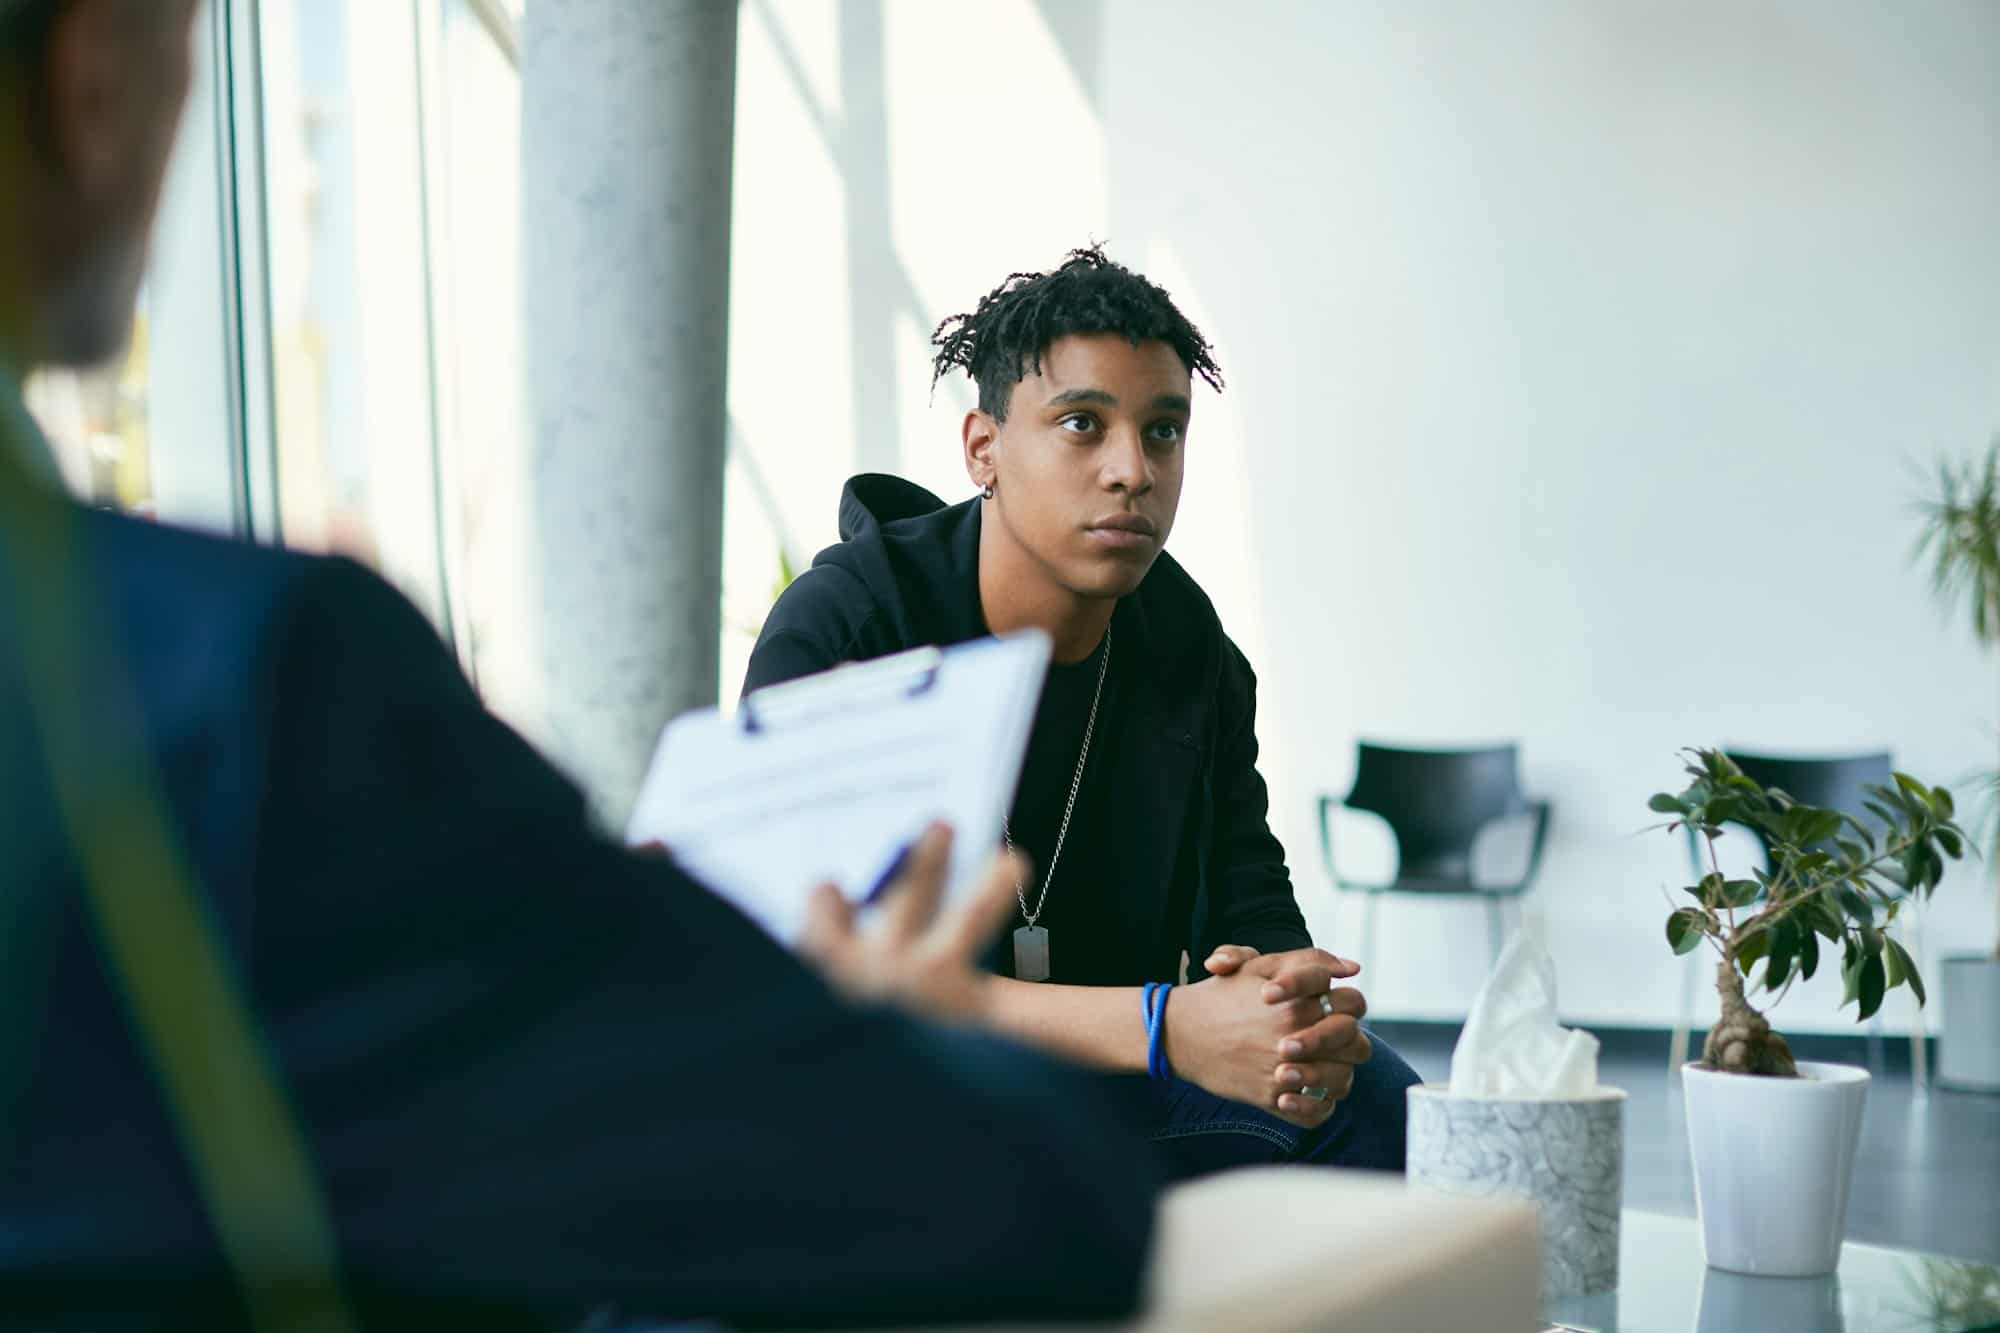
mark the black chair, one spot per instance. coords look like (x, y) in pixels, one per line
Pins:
(1436, 803)
(1831, 782)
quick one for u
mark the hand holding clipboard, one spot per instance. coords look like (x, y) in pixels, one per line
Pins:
(923, 956)
(831, 778)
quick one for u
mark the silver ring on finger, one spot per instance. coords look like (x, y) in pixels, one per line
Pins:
(1316, 1094)
(1326, 1006)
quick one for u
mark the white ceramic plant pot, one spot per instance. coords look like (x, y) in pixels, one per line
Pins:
(1773, 1158)
(1969, 1040)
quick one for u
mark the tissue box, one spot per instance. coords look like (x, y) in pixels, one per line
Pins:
(1564, 1155)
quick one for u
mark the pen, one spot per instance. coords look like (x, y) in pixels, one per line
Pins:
(888, 875)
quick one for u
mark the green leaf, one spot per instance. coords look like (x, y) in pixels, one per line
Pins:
(1922, 867)
(1750, 948)
(1913, 789)
(1784, 943)
(1768, 822)
(1808, 954)
(1953, 846)
(1934, 868)
(1941, 802)
(1685, 929)
(1873, 985)
(1901, 968)
(1856, 905)
(1824, 917)
(1741, 892)
(1667, 805)
(1710, 889)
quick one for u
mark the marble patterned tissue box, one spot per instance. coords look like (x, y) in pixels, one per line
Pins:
(1566, 1156)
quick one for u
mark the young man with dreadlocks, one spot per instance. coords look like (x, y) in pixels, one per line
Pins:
(1140, 803)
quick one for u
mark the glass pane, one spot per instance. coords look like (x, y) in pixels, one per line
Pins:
(479, 362)
(96, 421)
(150, 434)
(350, 325)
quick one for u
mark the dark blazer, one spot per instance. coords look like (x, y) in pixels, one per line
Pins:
(534, 1074)
(1201, 867)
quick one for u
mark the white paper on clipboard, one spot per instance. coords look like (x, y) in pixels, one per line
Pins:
(828, 778)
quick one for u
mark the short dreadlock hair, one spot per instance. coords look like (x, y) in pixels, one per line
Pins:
(1003, 339)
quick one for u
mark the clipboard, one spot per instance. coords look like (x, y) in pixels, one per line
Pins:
(830, 778)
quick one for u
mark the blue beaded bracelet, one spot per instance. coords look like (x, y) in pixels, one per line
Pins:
(1155, 1000)
(1146, 1007)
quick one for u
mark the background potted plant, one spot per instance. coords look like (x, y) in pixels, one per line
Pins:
(1773, 1138)
(1961, 541)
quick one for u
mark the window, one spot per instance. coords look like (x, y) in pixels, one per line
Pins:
(96, 421)
(337, 259)
(150, 434)
(476, 223)
(350, 308)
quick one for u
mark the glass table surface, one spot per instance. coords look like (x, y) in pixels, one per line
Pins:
(1664, 1286)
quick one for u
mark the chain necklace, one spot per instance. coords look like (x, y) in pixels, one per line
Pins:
(1031, 942)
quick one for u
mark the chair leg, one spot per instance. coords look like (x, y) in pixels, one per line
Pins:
(1373, 901)
(1496, 930)
(1920, 1054)
(1677, 1049)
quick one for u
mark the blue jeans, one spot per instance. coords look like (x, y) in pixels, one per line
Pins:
(1194, 1132)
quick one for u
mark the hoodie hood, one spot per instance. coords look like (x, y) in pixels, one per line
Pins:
(875, 498)
(917, 556)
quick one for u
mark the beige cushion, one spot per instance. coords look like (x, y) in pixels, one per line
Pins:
(1285, 1248)
(1306, 1248)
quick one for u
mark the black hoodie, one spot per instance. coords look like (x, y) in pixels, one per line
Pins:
(1179, 812)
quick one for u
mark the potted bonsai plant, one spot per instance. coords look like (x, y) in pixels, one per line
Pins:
(1773, 1138)
(1961, 539)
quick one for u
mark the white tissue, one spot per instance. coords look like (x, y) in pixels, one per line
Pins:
(1512, 1045)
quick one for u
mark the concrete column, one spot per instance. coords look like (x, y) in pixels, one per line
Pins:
(626, 138)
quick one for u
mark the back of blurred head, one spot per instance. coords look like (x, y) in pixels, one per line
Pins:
(90, 95)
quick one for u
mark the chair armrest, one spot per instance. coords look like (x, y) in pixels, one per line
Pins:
(1340, 882)
(1543, 811)
(1326, 804)
(1540, 811)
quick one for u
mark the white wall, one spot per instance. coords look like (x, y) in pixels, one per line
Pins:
(1582, 357)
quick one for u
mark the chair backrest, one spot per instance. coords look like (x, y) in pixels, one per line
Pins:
(1437, 801)
(1831, 782)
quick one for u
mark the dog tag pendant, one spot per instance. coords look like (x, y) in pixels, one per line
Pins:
(1031, 954)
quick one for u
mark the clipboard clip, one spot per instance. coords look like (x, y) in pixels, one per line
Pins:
(856, 685)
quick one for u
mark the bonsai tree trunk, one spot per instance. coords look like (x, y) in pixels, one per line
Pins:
(1741, 1042)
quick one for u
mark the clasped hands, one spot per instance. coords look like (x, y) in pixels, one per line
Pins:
(1264, 1027)
(1260, 1029)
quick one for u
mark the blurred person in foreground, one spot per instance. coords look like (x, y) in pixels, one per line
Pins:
(322, 1007)
(1140, 801)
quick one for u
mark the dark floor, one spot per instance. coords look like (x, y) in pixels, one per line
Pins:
(1927, 1176)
